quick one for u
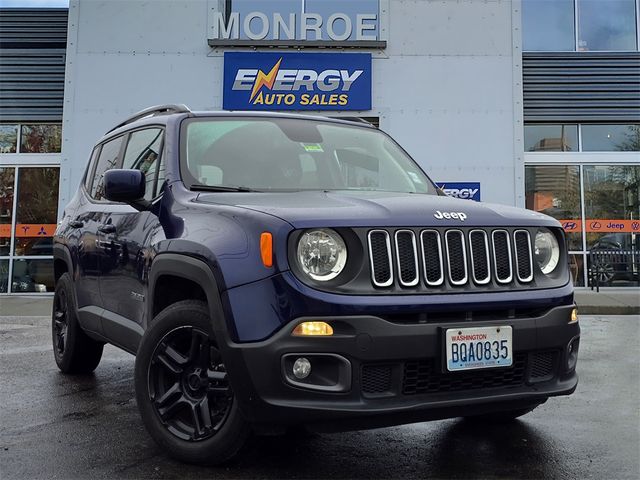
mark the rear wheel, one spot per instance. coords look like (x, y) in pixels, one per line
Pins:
(183, 390)
(73, 350)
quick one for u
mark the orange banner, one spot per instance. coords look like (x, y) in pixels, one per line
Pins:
(35, 229)
(5, 230)
(597, 225)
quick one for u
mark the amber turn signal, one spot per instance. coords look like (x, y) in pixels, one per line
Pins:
(266, 249)
(574, 316)
(313, 329)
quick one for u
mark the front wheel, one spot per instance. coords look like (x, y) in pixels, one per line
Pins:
(183, 390)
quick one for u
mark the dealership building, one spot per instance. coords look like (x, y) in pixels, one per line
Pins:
(533, 103)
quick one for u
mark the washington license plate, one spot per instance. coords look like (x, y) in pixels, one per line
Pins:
(472, 348)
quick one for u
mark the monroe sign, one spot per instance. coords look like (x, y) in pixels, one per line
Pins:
(252, 22)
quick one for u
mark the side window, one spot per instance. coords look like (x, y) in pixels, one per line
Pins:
(108, 159)
(88, 174)
(143, 153)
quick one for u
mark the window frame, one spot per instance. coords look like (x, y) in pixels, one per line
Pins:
(95, 166)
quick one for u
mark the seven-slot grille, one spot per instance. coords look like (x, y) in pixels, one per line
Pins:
(459, 257)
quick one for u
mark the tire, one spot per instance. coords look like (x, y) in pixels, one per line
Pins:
(501, 417)
(182, 389)
(73, 350)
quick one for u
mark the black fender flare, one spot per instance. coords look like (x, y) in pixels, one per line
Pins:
(189, 268)
(61, 252)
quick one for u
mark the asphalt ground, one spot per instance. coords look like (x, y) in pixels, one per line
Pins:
(56, 426)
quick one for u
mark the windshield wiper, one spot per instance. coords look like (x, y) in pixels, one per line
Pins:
(219, 188)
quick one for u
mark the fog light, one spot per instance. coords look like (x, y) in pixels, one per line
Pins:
(301, 368)
(574, 316)
(313, 329)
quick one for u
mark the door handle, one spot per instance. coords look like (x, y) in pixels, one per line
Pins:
(107, 228)
(76, 224)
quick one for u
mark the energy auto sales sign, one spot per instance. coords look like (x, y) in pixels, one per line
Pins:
(297, 81)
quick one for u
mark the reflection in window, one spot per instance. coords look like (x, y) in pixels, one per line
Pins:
(548, 25)
(36, 210)
(606, 25)
(45, 138)
(612, 204)
(7, 176)
(576, 267)
(109, 158)
(551, 138)
(143, 151)
(8, 138)
(31, 276)
(610, 138)
(555, 191)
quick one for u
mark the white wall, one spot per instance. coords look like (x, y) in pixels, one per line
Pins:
(447, 87)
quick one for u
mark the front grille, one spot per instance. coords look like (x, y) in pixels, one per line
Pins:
(409, 258)
(376, 379)
(422, 376)
(380, 255)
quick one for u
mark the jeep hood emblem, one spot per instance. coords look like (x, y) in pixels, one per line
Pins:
(450, 215)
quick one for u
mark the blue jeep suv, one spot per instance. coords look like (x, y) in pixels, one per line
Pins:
(272, 270)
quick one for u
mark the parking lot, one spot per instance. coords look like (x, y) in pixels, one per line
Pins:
(55, 426)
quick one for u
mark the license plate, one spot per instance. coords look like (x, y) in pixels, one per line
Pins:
(472, 348)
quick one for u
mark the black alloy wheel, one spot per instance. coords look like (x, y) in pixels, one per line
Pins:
(60, 325)
(73, 350)
(183, 389)
(188, 385)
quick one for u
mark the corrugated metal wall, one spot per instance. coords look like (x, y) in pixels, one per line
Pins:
(32, 61)
(584, 87)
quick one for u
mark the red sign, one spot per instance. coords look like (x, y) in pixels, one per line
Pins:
(597, 225)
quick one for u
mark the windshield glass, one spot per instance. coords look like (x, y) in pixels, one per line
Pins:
(293, 154)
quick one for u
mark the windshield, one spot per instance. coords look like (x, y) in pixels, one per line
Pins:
(292, 154)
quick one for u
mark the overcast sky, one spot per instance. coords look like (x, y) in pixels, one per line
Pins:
(34, 3)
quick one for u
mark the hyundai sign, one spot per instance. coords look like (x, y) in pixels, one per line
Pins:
(297, 81)
(466, 190)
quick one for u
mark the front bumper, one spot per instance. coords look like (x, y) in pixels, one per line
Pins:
(395, 372)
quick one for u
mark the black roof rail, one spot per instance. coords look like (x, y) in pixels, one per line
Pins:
(153, 111)
(356, 120)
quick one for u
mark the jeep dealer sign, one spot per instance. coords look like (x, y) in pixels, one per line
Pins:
(297, 81)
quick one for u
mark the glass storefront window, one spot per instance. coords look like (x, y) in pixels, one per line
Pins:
(551, 138)
(7, 176)
(576, 267)
(555, 191)
(41, 138)
(32, 276)
(610, 138)
(4, 276)
(37, 210)
(548, 25)
(8, 138)
(612, 206)
(606, 25)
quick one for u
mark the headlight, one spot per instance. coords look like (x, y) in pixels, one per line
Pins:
(546, 251)
(322, 254)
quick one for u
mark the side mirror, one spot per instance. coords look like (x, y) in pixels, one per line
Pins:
(126, 186)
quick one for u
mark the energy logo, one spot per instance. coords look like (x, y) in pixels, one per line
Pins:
(296, 86)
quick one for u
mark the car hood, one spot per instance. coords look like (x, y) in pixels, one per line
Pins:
(305, 209)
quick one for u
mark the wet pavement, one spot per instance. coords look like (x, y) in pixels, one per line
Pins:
(53, 426)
